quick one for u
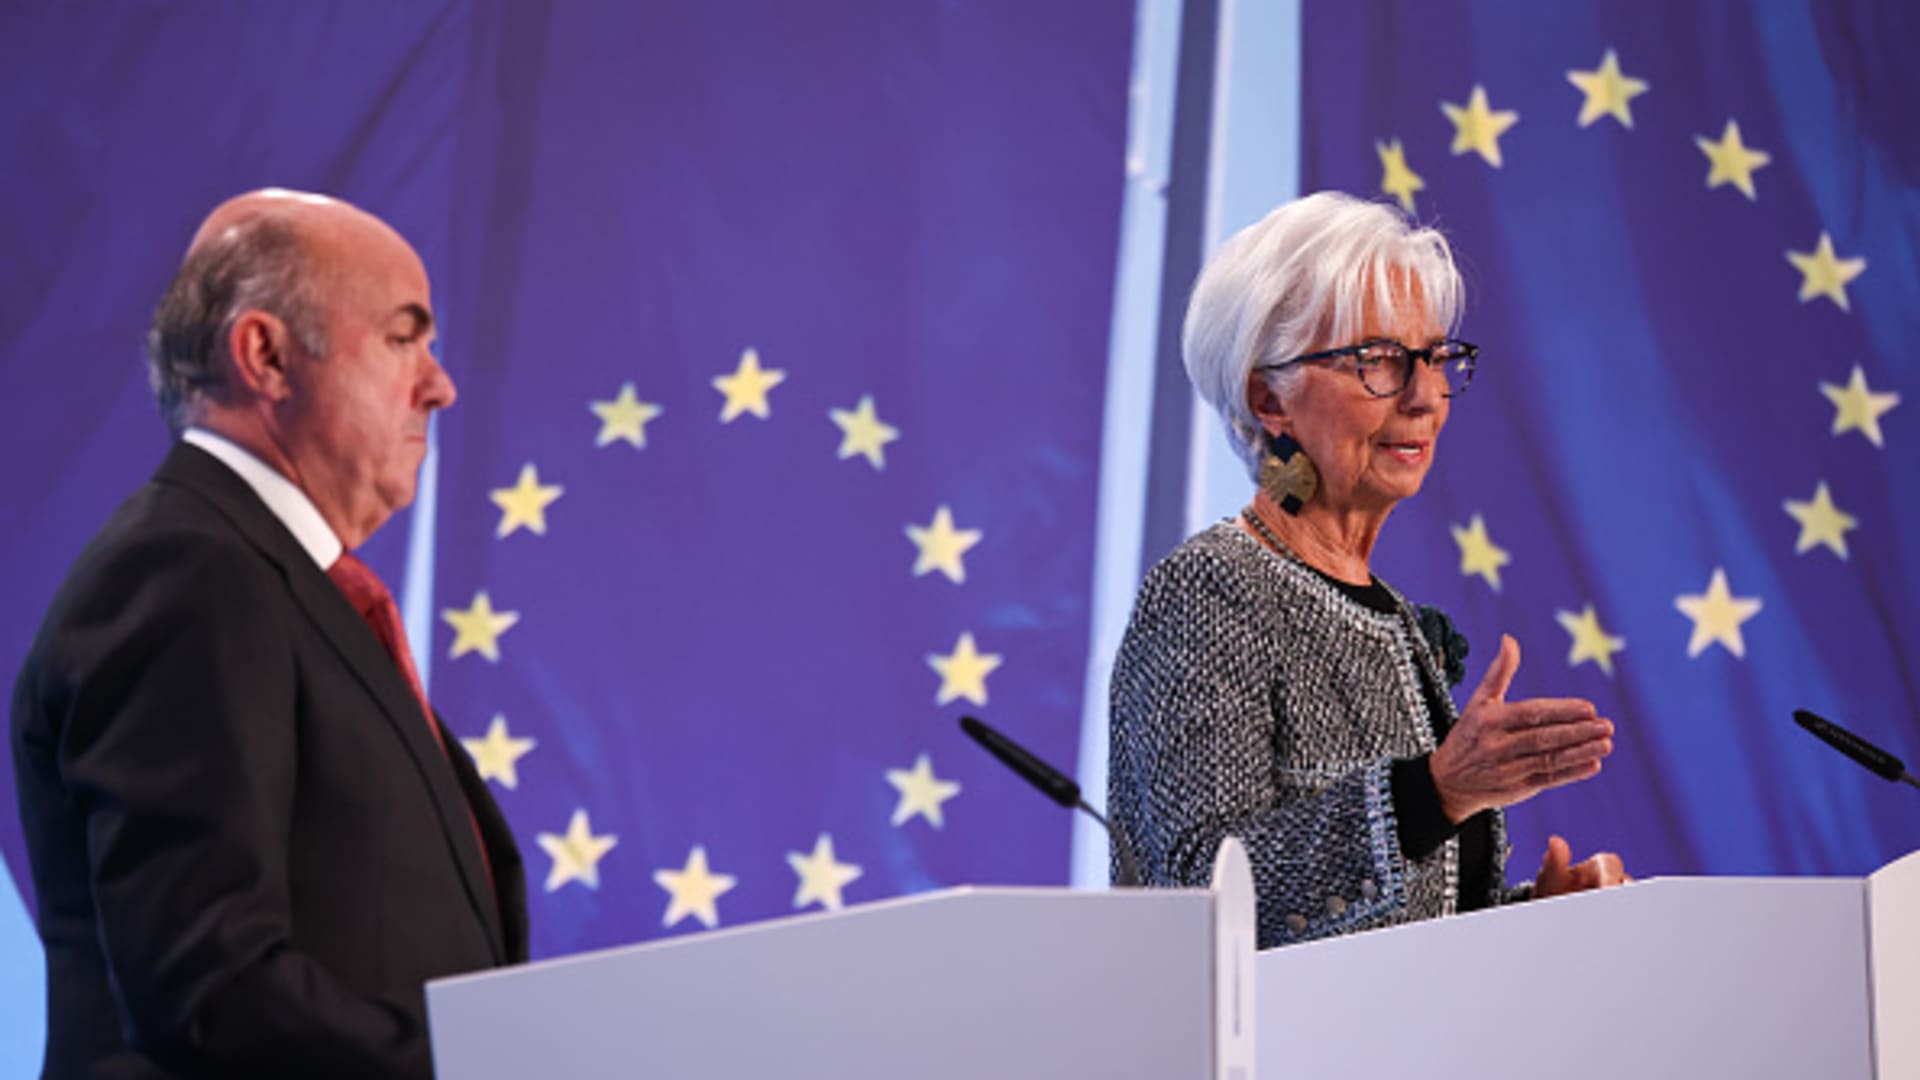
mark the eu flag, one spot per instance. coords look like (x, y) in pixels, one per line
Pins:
(780, 400)
(1683, 477)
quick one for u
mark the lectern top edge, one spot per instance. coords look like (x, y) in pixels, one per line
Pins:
(937, 896)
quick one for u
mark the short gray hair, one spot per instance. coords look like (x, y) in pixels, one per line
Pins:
(258, 265)
(1296, 280)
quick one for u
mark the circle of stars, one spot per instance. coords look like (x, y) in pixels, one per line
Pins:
(1608, 91)
(695, 888)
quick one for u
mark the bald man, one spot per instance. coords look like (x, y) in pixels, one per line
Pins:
(252, 842)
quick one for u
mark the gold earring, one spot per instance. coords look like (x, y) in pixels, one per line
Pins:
(1286, 475)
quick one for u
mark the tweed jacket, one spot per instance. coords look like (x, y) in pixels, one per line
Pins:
(1254, 699)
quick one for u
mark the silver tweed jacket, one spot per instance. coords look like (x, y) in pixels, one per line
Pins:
(1251, 698)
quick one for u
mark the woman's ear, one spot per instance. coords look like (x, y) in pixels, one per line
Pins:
(1264, 402)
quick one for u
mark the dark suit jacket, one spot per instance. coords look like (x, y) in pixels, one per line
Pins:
(248, 850)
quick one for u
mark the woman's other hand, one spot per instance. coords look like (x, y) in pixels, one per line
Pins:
(1501, 752)
(1558, 878)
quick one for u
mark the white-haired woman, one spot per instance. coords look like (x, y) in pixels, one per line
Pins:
(1269, 686)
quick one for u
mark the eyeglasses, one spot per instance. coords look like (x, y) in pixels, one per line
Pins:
(1384, 365)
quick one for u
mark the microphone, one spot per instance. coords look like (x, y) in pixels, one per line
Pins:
(1055, 785)
(1882, 763)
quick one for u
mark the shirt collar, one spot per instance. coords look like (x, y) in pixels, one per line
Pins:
(281, 495)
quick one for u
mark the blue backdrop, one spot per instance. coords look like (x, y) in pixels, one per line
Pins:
(728, 637)
(749, 612)
(1682, 388)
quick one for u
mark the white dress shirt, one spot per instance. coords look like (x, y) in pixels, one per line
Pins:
(281, 495)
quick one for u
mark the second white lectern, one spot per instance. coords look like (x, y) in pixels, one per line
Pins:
(1756, 978)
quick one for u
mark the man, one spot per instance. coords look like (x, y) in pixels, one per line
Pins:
(251, 841)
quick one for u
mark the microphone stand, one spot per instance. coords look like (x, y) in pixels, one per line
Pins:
(1057, 786)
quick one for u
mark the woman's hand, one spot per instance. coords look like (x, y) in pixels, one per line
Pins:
(1502, 752)
(1557, 878)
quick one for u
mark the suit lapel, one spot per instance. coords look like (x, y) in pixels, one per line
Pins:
(362, 654)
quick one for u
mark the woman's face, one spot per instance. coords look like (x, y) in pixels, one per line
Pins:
(1371, 451)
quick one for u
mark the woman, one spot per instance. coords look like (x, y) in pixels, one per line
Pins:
(1269, 686)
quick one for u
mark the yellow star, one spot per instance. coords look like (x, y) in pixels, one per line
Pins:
(821, 877)
(478, 628)
(1821, 522)
(1857, 408)
(1478, 128)
(525, 503)
(576, 856)
(746, 389)
(1730, 161)
(963, 674)
(921, 793)
(1822, 274)
(693, 890)
(1607, 90)
(1396, 179)
(861, 432)
(624, 418)
(1589, 641)
(1478, 553)
(941, 546)
(496, 755)
(1717, 615)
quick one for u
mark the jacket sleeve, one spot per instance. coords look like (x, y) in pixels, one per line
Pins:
(171, 684)
(1195, 725)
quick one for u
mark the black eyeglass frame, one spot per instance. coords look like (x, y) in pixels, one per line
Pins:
(1426, 356)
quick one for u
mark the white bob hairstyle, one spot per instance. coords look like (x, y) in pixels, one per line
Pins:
(1302, 279)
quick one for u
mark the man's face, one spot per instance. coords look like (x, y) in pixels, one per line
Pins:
(355, 426)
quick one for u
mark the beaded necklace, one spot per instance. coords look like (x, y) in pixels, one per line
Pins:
(1271, 538)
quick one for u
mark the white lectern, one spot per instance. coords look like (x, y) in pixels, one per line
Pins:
(965, 983)
(1754, 978)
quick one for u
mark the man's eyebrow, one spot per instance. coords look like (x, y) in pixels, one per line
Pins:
(422, 318)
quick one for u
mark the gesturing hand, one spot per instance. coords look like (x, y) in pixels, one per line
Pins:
(1559, 876)
(1501, 753)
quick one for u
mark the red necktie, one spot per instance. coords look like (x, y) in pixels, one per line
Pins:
(369, 596)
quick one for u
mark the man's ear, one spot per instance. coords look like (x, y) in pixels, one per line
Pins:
(1264, 403)
(258, 344)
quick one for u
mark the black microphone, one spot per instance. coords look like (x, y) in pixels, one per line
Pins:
(1855, 747)
(1055, 785)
